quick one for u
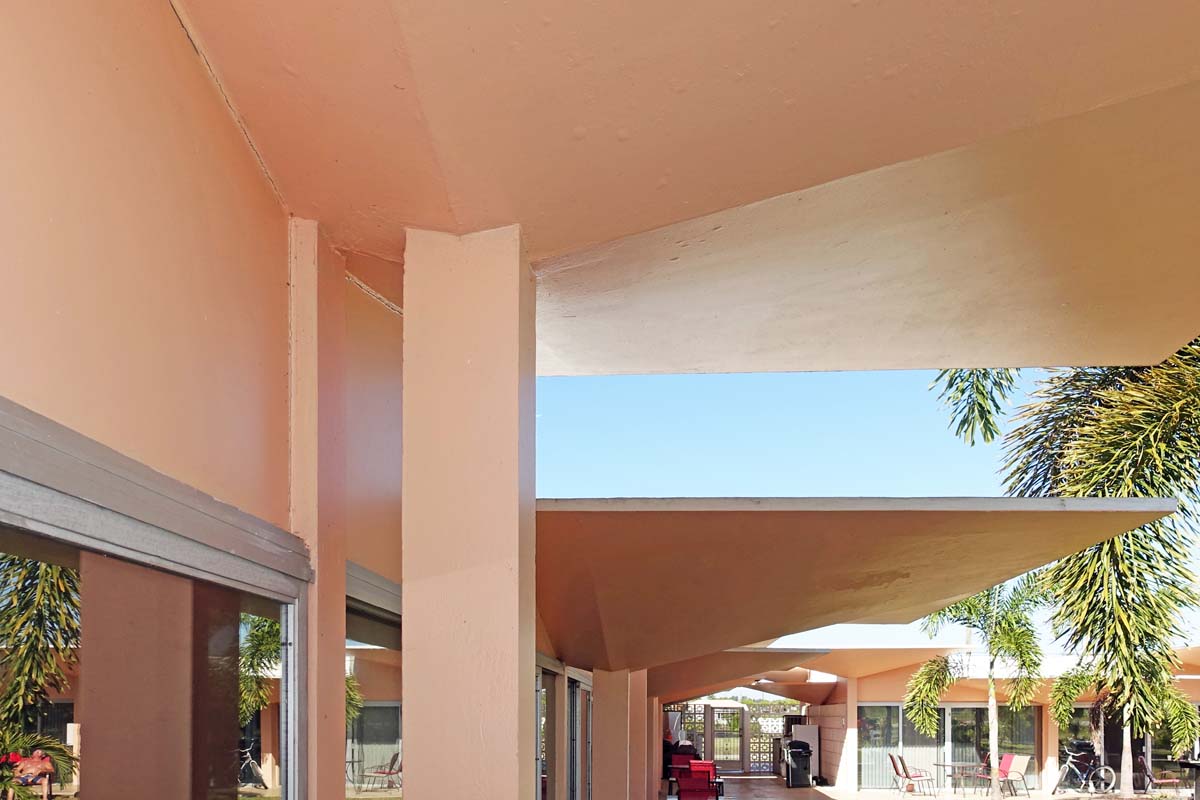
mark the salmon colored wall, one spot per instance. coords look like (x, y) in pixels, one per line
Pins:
(839, 692)
(145, 253)
(831, 719)
(383, 276)
(374, 357)
(379, 681)
(545, 645)
(888, 687)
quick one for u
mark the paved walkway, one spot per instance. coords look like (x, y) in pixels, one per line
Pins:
(772, 788)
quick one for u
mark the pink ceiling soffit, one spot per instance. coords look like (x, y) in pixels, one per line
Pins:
(737, 665)
(610, 570)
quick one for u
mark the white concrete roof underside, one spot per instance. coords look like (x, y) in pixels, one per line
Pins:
(1072, 243)
(635, 583)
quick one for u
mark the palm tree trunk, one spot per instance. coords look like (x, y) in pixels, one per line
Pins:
(993, 731)
(1126, 762)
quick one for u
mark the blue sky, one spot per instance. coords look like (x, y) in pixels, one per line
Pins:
(796, 434)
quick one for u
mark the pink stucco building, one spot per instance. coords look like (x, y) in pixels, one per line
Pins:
(278, 278)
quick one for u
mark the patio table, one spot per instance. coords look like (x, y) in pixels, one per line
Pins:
(959, 770)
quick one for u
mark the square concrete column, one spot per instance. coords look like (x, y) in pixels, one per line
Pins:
(159, 651)
(558, 738)
(654, 747)
(1049, 759)
(619, 738)
(638, 738)
(468, 517)
(318, 462)
(847, 766)
(136, 685)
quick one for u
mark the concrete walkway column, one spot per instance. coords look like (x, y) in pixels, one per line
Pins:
(318, 460)
(654, 747)
(1049, 758)
(137, 683)
(468, 517)
(157, 673)
(619, 739)
(639, 750)
(610, 735)
(558, 737)
(847, 767)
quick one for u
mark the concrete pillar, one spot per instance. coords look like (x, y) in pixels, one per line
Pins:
(269, 727)
(610, 735)
(468, 516)
(558, 738)
(1049, 759)
(847, 768)
(619, 735)
(709, 752)
(639, 749)
(318, 466)
(654, 745)
(136, 629)
(160, 650)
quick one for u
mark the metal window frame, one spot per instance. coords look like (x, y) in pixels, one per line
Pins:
(60, 484)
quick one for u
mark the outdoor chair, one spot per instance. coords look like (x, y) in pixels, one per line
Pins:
(699, 781)
(898, 775)
(984, 775)
(1017, 768)
(1164, 780)
(679, 764)
(919, 779)
(34, 772)
(386, 775)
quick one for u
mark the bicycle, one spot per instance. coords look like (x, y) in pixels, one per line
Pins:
(250, 773)
(1083, 773)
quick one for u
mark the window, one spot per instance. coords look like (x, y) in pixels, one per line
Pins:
(884, 730)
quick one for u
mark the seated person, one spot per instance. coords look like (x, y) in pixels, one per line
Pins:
(35, 769)
(684, 747)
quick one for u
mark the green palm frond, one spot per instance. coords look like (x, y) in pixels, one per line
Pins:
(261, 652)
(1068, 688)
(39, 634)
(1181, 719)
(975, 398)
(354, 699)
(925, 689)
(1119, 432)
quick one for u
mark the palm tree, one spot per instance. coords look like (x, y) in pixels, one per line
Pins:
(39, 635)
(1172, 708)
(1107, 432)
(1002, 617)
(261, 651)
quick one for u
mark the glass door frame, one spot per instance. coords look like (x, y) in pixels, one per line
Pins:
(59, 484)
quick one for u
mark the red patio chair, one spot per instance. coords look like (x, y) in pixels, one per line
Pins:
(1153, 782)
(388, 773)
(1016, 772)
(985, 773)
(920, 780)
(699, 781)
(898, 774)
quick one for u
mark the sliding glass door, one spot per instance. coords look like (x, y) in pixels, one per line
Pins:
(962, 736)
(878, 735)
(1019, 734)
